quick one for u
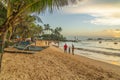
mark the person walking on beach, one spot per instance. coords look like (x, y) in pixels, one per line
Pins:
(69, 49)
(72, 49)
(65, 48)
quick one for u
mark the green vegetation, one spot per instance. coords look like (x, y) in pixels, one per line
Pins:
(26, 28)
(52, 34)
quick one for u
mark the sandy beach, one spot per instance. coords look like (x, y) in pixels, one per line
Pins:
(53, 64)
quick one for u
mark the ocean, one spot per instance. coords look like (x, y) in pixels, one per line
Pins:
(106, 51)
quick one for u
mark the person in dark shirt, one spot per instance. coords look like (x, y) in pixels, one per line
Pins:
(72, 49)
(69, 50)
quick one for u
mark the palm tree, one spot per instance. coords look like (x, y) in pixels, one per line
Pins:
(2, 13)
(58, 30)
(57, 34)
(47, 28)
(27, 28)
(15, 8)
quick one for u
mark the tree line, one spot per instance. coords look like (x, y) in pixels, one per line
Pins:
(49, 33)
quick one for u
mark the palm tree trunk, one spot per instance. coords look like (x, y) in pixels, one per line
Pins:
(2, 44)
(10, 35)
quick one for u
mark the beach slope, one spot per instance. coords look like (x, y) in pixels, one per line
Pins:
(53, 64)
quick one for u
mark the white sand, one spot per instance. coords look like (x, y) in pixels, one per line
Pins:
(53, 64)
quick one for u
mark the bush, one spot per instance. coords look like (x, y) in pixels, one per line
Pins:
(7, 44)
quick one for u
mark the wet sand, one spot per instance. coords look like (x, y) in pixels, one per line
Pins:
(53, 64)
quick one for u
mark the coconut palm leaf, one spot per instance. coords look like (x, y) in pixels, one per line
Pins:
(17, 7)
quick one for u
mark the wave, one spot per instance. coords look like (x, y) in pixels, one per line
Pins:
(106, 48)
(98, 51)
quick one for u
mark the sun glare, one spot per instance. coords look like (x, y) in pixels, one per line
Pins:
(116, 34)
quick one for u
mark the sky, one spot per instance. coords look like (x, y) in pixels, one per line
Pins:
(87, 18)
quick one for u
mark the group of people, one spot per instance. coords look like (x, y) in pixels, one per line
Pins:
(69, 48)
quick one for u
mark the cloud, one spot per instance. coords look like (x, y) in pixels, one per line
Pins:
(106, 21)
(105, 12)
(112, 32)
(103, 33)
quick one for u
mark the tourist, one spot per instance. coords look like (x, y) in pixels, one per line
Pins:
(65, 48)
(72, 49)
(69, 49)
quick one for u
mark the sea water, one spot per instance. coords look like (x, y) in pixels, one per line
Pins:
(106, 51)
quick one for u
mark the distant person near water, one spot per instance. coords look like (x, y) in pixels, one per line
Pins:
(72, 49)
(65, 48)
(69, 50)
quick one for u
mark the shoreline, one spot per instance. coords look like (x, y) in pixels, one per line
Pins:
(100, 59)
(92, 60)
(79, 52)
(53, 64)
(98, 62)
